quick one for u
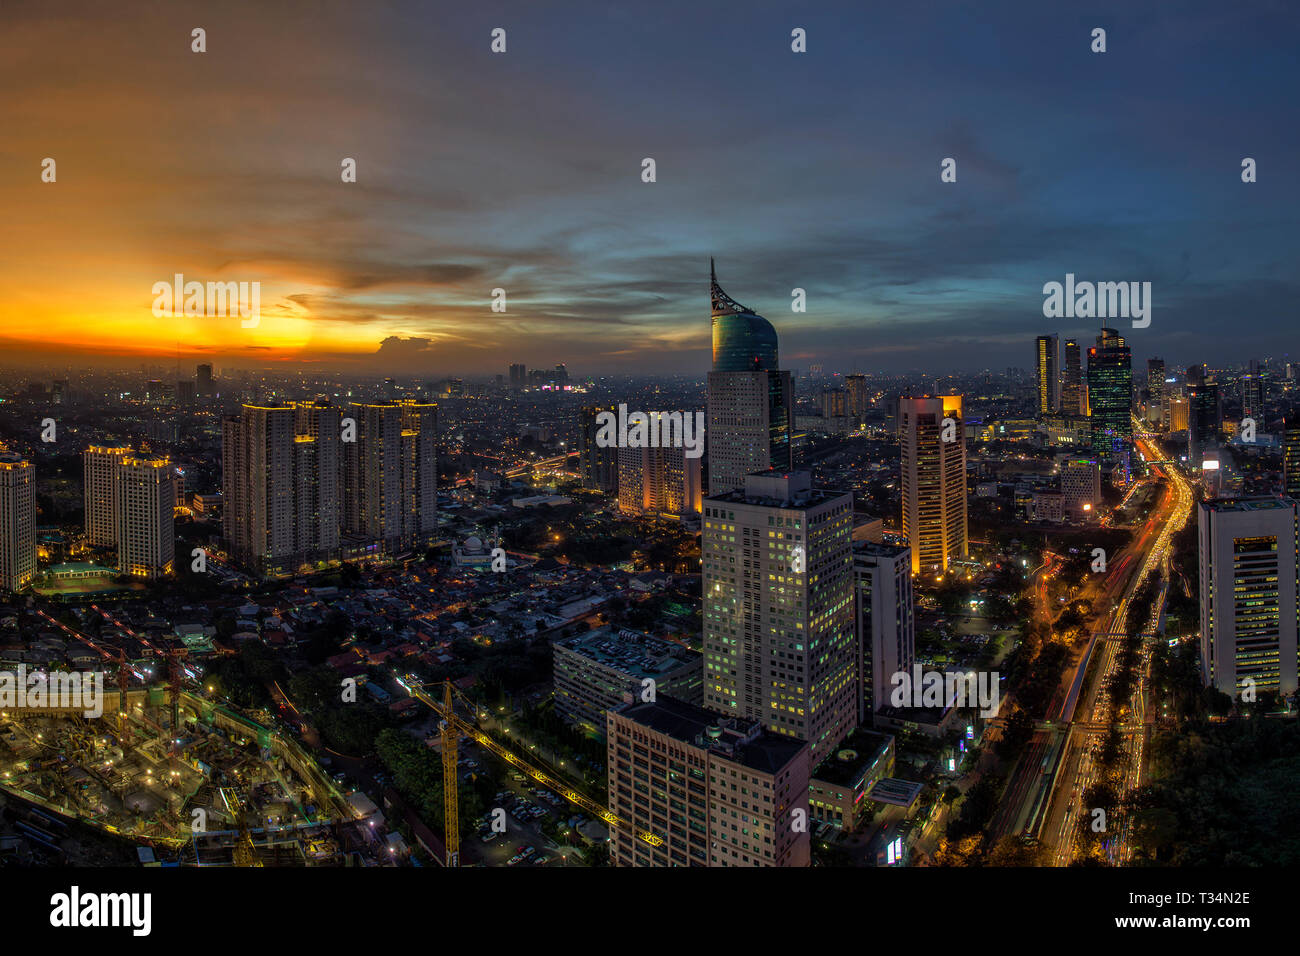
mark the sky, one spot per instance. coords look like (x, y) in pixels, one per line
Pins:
(522, 171)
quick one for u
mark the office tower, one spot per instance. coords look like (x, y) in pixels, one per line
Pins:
(710, 790)
(155, 391)
(99, 477)
(835, 403)
(1072, 400)
(59, 393)
(886, 627)
(1248, 593)
(658, 481)
(934, 480)
(1291, 456)
(1081, 487)
(1178, 412)
(1156, 387)
(751, 402)
(597, 465)
(1110, 398)
(779, 638)
(1196, 374)
(857, 389)
(1047, 363)
(144, 501)
(518, 375)
(1204, 418)
(204, 383)
(390, 476)
(1252, 394)
(18, 522)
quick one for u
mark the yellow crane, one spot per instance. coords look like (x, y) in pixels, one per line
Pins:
(452, 725)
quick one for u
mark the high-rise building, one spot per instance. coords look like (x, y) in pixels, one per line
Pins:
(99, 479)
(934, 480)
(1047, 363)
(1178, 412)
(1204, 420)
(658, 481)
(597, 465)
(1110, 398)
(835, 403)
(707, 790)
(1156, 388)
(280, 486)
(18, 522)
(1291, 456)
(1072, 389)
(204, 383)
(184, 392)
(1252, 393)
(144, 502)
(779, 636)
(886, 627)
(751, 402)
(518, 375)
(1248, 593)
(1081, 487)
(390, 475)
(858, 399)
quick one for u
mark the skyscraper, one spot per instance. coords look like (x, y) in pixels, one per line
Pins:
(779, 636)
(260, 489)
(1248, 593)
(886, 627)
(18, 523)
(144, 501)
(518, 375)
(597, 465)
(1110, 398)
(204, 383)
(857, 389)
(1291, 456)
(318, 471)
(1072, 393)
(1252, 393)
(1156, 388)
(99, 477)
(1047, 358)
(934, 480)
(1204, 418)
(710, 790)
(751, 402)
(390, 475)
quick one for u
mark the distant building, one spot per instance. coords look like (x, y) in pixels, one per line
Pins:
(99, 474)
(144, 506)
(1110, 397)
(597, 464)
(604, 669)
(1073, 401)
(658, 481)
(1047, 364)
(884, 612)
(710, 790)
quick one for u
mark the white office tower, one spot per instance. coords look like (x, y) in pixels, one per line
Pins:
(99, 473)
(1248, 594)
(886, 624)
(391, 476)
(144, 504)
(779, 637)
(17, 522)
(934, 480)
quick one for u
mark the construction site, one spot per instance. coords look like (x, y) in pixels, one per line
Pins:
(191, 779)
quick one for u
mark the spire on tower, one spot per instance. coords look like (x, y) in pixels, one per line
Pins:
(723, 304)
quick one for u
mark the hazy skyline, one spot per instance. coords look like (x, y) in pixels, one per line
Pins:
(523, 171)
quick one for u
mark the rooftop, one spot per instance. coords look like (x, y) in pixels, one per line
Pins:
(742, 741)
(633, 653)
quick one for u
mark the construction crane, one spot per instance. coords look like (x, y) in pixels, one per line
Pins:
(450, 801)
(452, 724)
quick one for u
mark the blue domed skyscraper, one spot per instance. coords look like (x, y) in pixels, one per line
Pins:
(743, 341)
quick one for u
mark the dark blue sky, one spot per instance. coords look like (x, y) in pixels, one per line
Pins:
(817, 170)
